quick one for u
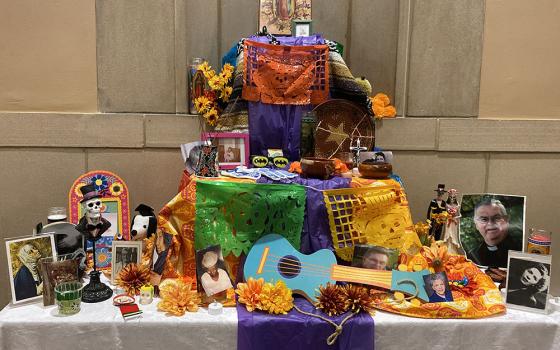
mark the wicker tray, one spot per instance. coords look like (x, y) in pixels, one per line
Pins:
(339, 124)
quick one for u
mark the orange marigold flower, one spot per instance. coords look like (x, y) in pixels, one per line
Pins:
(277, 298)
(436, 255)
(177, 297)
(390, 112)
(250, 293)
(295, 167)
(381, 99)
(378, 110)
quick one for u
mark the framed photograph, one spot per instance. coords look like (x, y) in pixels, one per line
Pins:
(437, 287)
(375, 257)
(528, 281)
(233, 148)
(23, 265)
(379, 156)
(277, 15)
(491, 225)
(212, 270)
(301, 27)
(124, 253)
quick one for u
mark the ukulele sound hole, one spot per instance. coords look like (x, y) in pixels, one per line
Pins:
(289, 266)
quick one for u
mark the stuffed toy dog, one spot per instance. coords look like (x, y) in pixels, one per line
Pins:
(144, 224)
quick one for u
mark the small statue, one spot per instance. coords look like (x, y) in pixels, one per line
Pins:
(356, 150)
(451, 227)
(146, 294)
(92, 226)
(436, 208)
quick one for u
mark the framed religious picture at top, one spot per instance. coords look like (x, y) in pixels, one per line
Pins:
(277, 15)
(301, 27)
(233, 148)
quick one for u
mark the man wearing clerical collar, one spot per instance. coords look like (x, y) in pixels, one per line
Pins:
(492, 222)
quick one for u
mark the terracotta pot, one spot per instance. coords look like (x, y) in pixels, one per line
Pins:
(375, 170)
(320, 168)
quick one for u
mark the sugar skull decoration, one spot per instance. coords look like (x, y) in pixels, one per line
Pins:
(146, 294)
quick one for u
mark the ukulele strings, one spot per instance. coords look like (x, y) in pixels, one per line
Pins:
(298, 261)
(299, 265)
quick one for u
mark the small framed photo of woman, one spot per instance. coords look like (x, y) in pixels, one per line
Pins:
(124, 253)
(528, 281)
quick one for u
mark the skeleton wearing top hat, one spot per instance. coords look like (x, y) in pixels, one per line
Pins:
(437, 206)
(92, 225)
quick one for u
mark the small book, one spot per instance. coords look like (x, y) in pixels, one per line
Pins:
(130, 311)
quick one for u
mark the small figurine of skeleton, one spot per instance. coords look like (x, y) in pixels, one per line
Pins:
(92, 225)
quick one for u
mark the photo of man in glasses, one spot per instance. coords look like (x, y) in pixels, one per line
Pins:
(494, 232)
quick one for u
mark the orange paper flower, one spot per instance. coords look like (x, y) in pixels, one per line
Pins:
(132, 277)
(250, 293)
(277, 298)
(177, 297)
(436, 255)
(295, 167)
(381, 106)
(339, 166)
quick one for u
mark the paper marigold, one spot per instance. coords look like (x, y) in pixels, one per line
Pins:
(132, 277)
(381, 99)
(436, 255)
(177, 297)
(332, 300)
(276, 298)
(211, 116)
(359, 298)
(250, 293)
(295, 167)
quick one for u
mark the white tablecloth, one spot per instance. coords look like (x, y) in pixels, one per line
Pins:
(101, 326)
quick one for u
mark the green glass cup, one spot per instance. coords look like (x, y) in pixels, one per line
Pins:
(68, 297)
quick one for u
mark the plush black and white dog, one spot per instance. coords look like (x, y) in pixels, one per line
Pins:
(144, 224)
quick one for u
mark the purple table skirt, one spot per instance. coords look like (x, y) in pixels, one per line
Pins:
(296, 331)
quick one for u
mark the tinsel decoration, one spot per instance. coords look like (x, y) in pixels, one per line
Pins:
(332, 300)
(132, 277)
(177, 297)
(359, 298)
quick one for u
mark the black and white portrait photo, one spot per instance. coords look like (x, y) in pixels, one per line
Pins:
(124, 253)
(528, 281)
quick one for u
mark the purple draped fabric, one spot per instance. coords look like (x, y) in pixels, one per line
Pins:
(278, 126)
(296, 331)
(316, 233)
(275, 126)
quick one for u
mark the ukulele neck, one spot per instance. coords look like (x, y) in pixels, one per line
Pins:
(376, 278)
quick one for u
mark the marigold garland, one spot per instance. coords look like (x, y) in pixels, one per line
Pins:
(272, 298)
(177, 297)
(132, 277)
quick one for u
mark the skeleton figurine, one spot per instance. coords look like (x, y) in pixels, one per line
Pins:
(27, 281)
(92, 226)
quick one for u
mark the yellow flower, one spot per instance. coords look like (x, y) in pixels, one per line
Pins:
(227, 68)
(116, 189)
(226, 93)
(206, 70)
(177, 297)
(211, 116)
(436, 255)
(277, 298)
(216, 83)
(250, 292)
(202, 104)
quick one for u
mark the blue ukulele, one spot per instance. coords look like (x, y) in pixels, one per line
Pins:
(272, 257)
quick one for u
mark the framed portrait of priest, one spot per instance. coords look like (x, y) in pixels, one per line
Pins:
(491, 225)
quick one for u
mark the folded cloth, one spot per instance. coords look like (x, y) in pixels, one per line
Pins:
(296, 331)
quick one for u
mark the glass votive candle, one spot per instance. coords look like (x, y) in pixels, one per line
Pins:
(68, 297)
